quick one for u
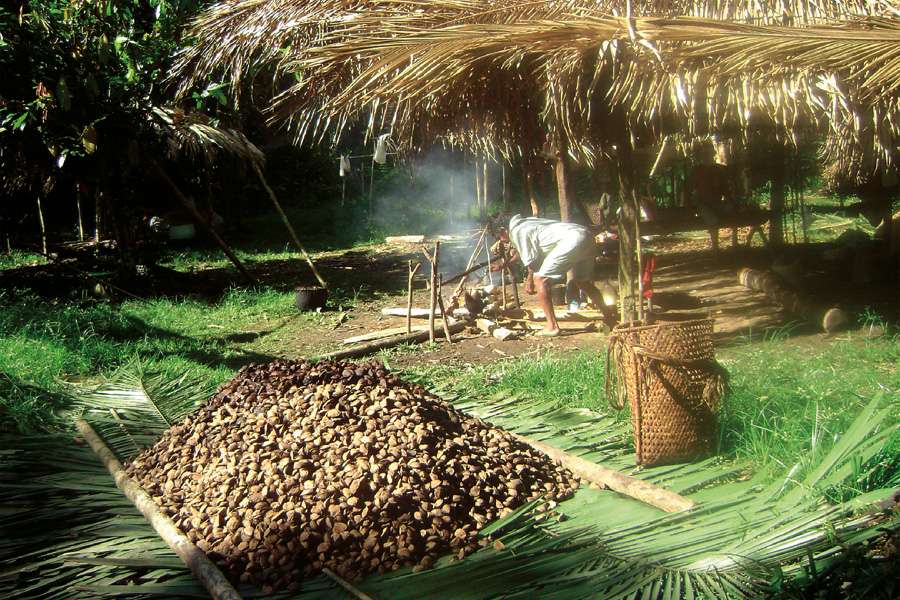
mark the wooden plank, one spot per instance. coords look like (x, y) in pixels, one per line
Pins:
(381, 333)
(364, 349)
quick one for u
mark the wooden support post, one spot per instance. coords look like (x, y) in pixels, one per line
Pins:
(503, 286)
(196, 560)
(434, 260)
(445, 318)
(198, 218)
(289, 227)
(409, 290)
(638, 489)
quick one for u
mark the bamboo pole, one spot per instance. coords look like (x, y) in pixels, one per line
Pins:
(638, 489)
(195, 559)
(409, 290)
(290, 227)
(198, 218)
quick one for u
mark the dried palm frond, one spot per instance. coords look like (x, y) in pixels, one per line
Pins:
(194, 134)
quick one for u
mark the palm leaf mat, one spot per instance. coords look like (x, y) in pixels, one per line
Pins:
(67, 532)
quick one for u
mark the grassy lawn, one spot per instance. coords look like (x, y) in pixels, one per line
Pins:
(789, 399)
(43, 344)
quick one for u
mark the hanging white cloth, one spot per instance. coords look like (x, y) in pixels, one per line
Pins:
(381, 149)
(344, 166)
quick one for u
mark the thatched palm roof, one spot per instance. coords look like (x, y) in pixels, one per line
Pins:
(496, 76)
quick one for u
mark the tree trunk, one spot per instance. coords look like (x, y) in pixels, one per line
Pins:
(627, 226)
(529, 189)
(776, 197)
(98, 215)
(80, 213)
(477, 187)
(503, 194)
(562, 181)
(485, 179)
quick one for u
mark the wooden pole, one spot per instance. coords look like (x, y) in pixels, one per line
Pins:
(416, 337)
(40, 213)
(529, 188)
(409, 290)
(444, 316)
(80, 214)
(198, 218)
(196, 560)
(503, 286)
(433, 259)
(638, 489)
(290, 227)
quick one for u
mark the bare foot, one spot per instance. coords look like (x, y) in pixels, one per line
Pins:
(548, 333)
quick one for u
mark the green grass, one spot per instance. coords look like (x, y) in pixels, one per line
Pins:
(43, 344)
(17, 258)
(789, 399)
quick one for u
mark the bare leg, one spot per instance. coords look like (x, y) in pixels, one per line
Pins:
(546, 301)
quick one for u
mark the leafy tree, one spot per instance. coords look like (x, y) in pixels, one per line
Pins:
(80, 80)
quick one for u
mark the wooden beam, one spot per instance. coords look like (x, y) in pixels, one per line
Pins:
(417, 337)
(196, 560)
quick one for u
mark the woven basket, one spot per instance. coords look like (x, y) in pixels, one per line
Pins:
(668, 374)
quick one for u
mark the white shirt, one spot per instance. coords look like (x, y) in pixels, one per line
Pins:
(534, 238)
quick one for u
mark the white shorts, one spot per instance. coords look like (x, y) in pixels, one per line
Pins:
(575, 253)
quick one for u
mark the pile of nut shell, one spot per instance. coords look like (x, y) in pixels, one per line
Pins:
(294, 466)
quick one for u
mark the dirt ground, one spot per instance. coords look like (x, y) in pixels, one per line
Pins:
(690, 282)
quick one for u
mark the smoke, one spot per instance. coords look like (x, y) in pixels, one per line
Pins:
(432, 195)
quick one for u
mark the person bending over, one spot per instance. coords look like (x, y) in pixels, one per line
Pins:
(549, 249)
